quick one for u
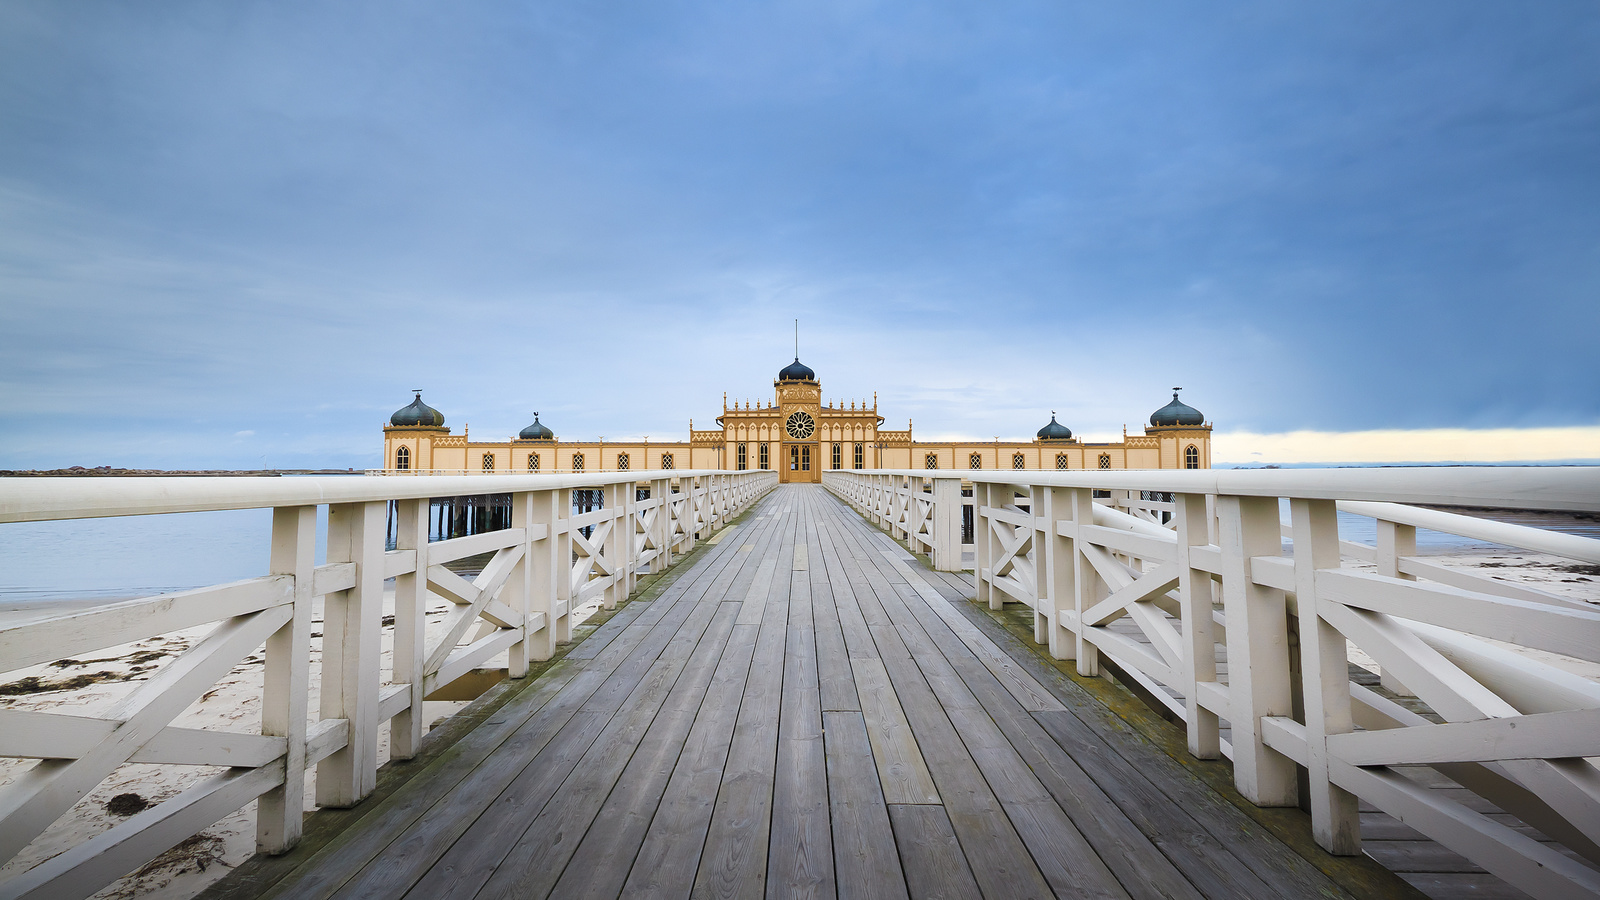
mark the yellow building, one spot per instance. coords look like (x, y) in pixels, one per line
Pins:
(796, 434)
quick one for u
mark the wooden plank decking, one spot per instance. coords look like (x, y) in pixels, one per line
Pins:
(805, 710)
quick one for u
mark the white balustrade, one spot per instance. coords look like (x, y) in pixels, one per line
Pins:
(543, 567)
(1163, 590)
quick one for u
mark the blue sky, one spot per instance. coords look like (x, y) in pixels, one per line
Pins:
(237, 234)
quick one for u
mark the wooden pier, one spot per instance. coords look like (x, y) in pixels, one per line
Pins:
(805, 709)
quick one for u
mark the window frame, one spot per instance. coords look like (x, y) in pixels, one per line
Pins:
(402, 459)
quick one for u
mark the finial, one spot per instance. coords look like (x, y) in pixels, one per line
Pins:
(1175, 392)
(418, 392)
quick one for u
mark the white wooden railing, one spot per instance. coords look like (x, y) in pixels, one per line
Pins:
(518, 608)
(1165, 590)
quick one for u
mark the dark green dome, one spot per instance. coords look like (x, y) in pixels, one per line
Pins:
(1177, 413)
(417, 413)
(797, 371)
(1055, 431)
(536, 432)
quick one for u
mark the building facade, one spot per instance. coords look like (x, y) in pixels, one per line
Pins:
(798, 435)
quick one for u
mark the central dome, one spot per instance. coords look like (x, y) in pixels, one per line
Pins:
(1176, 413)
(797, 371)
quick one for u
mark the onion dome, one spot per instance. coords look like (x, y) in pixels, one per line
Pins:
(1055, 431)
(417, 413)
(797, 371)
(536, 432)
(1177, 413)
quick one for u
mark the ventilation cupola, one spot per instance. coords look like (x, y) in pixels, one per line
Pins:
(417, 413)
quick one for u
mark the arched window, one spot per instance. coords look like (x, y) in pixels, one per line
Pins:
(1017, 462)
(533, 462)
(860, 458)
(975, 461)
(1191, 457)
(488, 462)
(402, 458)
(577, 462)
(764, 460)
(932, 461)
(743, 459)
(838, 456)
(666, 460)
(1105, 460)
(622, 462)
(1061, 460)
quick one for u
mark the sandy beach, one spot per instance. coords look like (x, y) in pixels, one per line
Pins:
(95, 682)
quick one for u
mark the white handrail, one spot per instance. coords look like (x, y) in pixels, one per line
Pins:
(547, 563)
(1114, 578)
(40, 499)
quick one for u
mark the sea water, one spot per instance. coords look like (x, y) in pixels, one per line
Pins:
(137, 556)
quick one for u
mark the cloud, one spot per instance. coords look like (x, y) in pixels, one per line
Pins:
(1421, 445)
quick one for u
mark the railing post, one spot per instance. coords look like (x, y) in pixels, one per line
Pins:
(611, 548)
(350, 647)
(1056, 570)
(286, 680)
(661, 489)
(547, 570)
(1325, 676)
(1195, 604)
(561, 535)
(1258, 649)
(947, 524)
(982, 544)
(1394, 542)
(518, 590)
(1043, 614)
(410, 624)
(1087, 585)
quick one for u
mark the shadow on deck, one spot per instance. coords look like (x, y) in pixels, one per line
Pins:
(803, 708)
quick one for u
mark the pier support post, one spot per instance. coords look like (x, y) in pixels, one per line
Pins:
(410, 626)
(546, 569)
(286, 679)
(1324, 666)
(1259, 681)
(351, 630)
(1195, 602)
(1088, 588)
(1056, 571)
(947, 524)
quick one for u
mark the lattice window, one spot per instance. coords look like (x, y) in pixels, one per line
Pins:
(932, 461)
(402, 458)
(765, 460)
(577, 462)
(805, 458)
(666, 460)
(622, 462)
(533, 462)
(1105, 460)
(838, 456)
(743, 457)
(975, 461)
(860, 458)
(1018, 462)
(1061, 460)
(488, 462)
(1191, 457)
